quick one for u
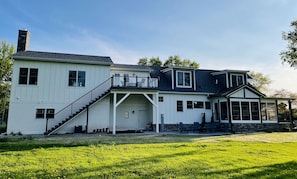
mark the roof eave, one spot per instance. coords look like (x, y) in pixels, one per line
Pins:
(60, 60)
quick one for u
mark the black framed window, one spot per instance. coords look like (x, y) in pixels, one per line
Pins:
(189, 104)
(224, 113)
(77, 78)
(207, 105)
(161, 98)
(23, 76)
(235, 106)
(50, 113)
(28, 76)
(40, 113)
(245, 107)
(255, 110)
(179, 106)
(33, 76)
(198, 104)
(237, 79)
(72, 78)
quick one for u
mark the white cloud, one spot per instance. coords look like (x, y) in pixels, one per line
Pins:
(87, 42)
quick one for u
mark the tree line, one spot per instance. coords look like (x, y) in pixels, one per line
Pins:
(171, 61)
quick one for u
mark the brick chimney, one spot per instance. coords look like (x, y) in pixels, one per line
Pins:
(23, 40)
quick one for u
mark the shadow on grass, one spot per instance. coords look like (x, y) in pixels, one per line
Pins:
(281, 170)
(29, 142)
(148, 167)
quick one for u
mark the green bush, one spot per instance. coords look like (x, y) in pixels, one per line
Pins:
(2, 129)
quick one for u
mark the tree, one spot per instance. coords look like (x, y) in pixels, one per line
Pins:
(260, 81)
(154, 61)
(6, 51)
(177, 61)
(189, 63)
(171, 61)
(143, 61)
(290, 55)
(282, 107)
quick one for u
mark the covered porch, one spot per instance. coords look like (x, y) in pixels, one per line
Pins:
(134, 110)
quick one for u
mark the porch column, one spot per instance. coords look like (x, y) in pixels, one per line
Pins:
(229, 107)
(157, 111)
(114, 113)
(156, 105)
(291, 113)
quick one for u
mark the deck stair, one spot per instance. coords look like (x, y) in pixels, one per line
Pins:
(75, 108)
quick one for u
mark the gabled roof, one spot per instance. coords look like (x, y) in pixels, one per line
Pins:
(229, 71)
(62, 57)
(229, 91)
(205, 83)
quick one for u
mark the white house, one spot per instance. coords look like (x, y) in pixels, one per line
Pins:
(58, 93)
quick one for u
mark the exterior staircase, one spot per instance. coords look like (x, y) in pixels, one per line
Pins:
(80, 105)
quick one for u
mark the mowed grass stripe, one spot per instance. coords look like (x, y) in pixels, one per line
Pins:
(189, 157)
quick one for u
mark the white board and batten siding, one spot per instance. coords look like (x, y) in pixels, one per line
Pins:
(244, 93)
(98, 118)
(134, 113)
(168, 108)
(51, 91)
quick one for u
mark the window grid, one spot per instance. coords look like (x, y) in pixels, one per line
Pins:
(28, 76)
(183, 79)
(77, 78)
(179, 106)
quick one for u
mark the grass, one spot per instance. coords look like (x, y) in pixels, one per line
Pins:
(261, 155)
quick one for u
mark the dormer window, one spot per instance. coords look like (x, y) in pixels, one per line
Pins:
(237, 79)
(183, 79)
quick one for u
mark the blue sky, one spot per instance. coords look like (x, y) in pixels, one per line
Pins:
(218, 34)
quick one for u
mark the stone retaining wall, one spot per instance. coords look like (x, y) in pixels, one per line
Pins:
(226, 127)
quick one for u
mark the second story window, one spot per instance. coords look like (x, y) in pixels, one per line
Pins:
(183, 79)
(236, 80)
(28, 76)
(77, 78)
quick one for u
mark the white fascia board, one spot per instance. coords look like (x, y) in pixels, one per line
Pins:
(59, 60)
(185, 93)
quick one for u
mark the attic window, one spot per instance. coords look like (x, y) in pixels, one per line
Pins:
(237, 80)
(183, 79)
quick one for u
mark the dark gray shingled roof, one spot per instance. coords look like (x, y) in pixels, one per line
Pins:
(205, 82)
(62, 57)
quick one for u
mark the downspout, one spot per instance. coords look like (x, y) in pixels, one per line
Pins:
(46, 126)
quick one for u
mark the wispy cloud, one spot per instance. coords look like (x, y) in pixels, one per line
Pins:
(84, 41)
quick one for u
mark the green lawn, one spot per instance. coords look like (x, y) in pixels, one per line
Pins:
(262, 155)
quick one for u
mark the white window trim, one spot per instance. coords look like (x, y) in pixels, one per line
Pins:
(231, 82)
(176, 79)
(250, 111)
(268, 120)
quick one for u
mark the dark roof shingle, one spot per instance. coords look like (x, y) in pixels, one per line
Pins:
(62, 57)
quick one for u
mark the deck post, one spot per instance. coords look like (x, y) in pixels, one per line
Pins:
(114, 113)
(157, 113)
